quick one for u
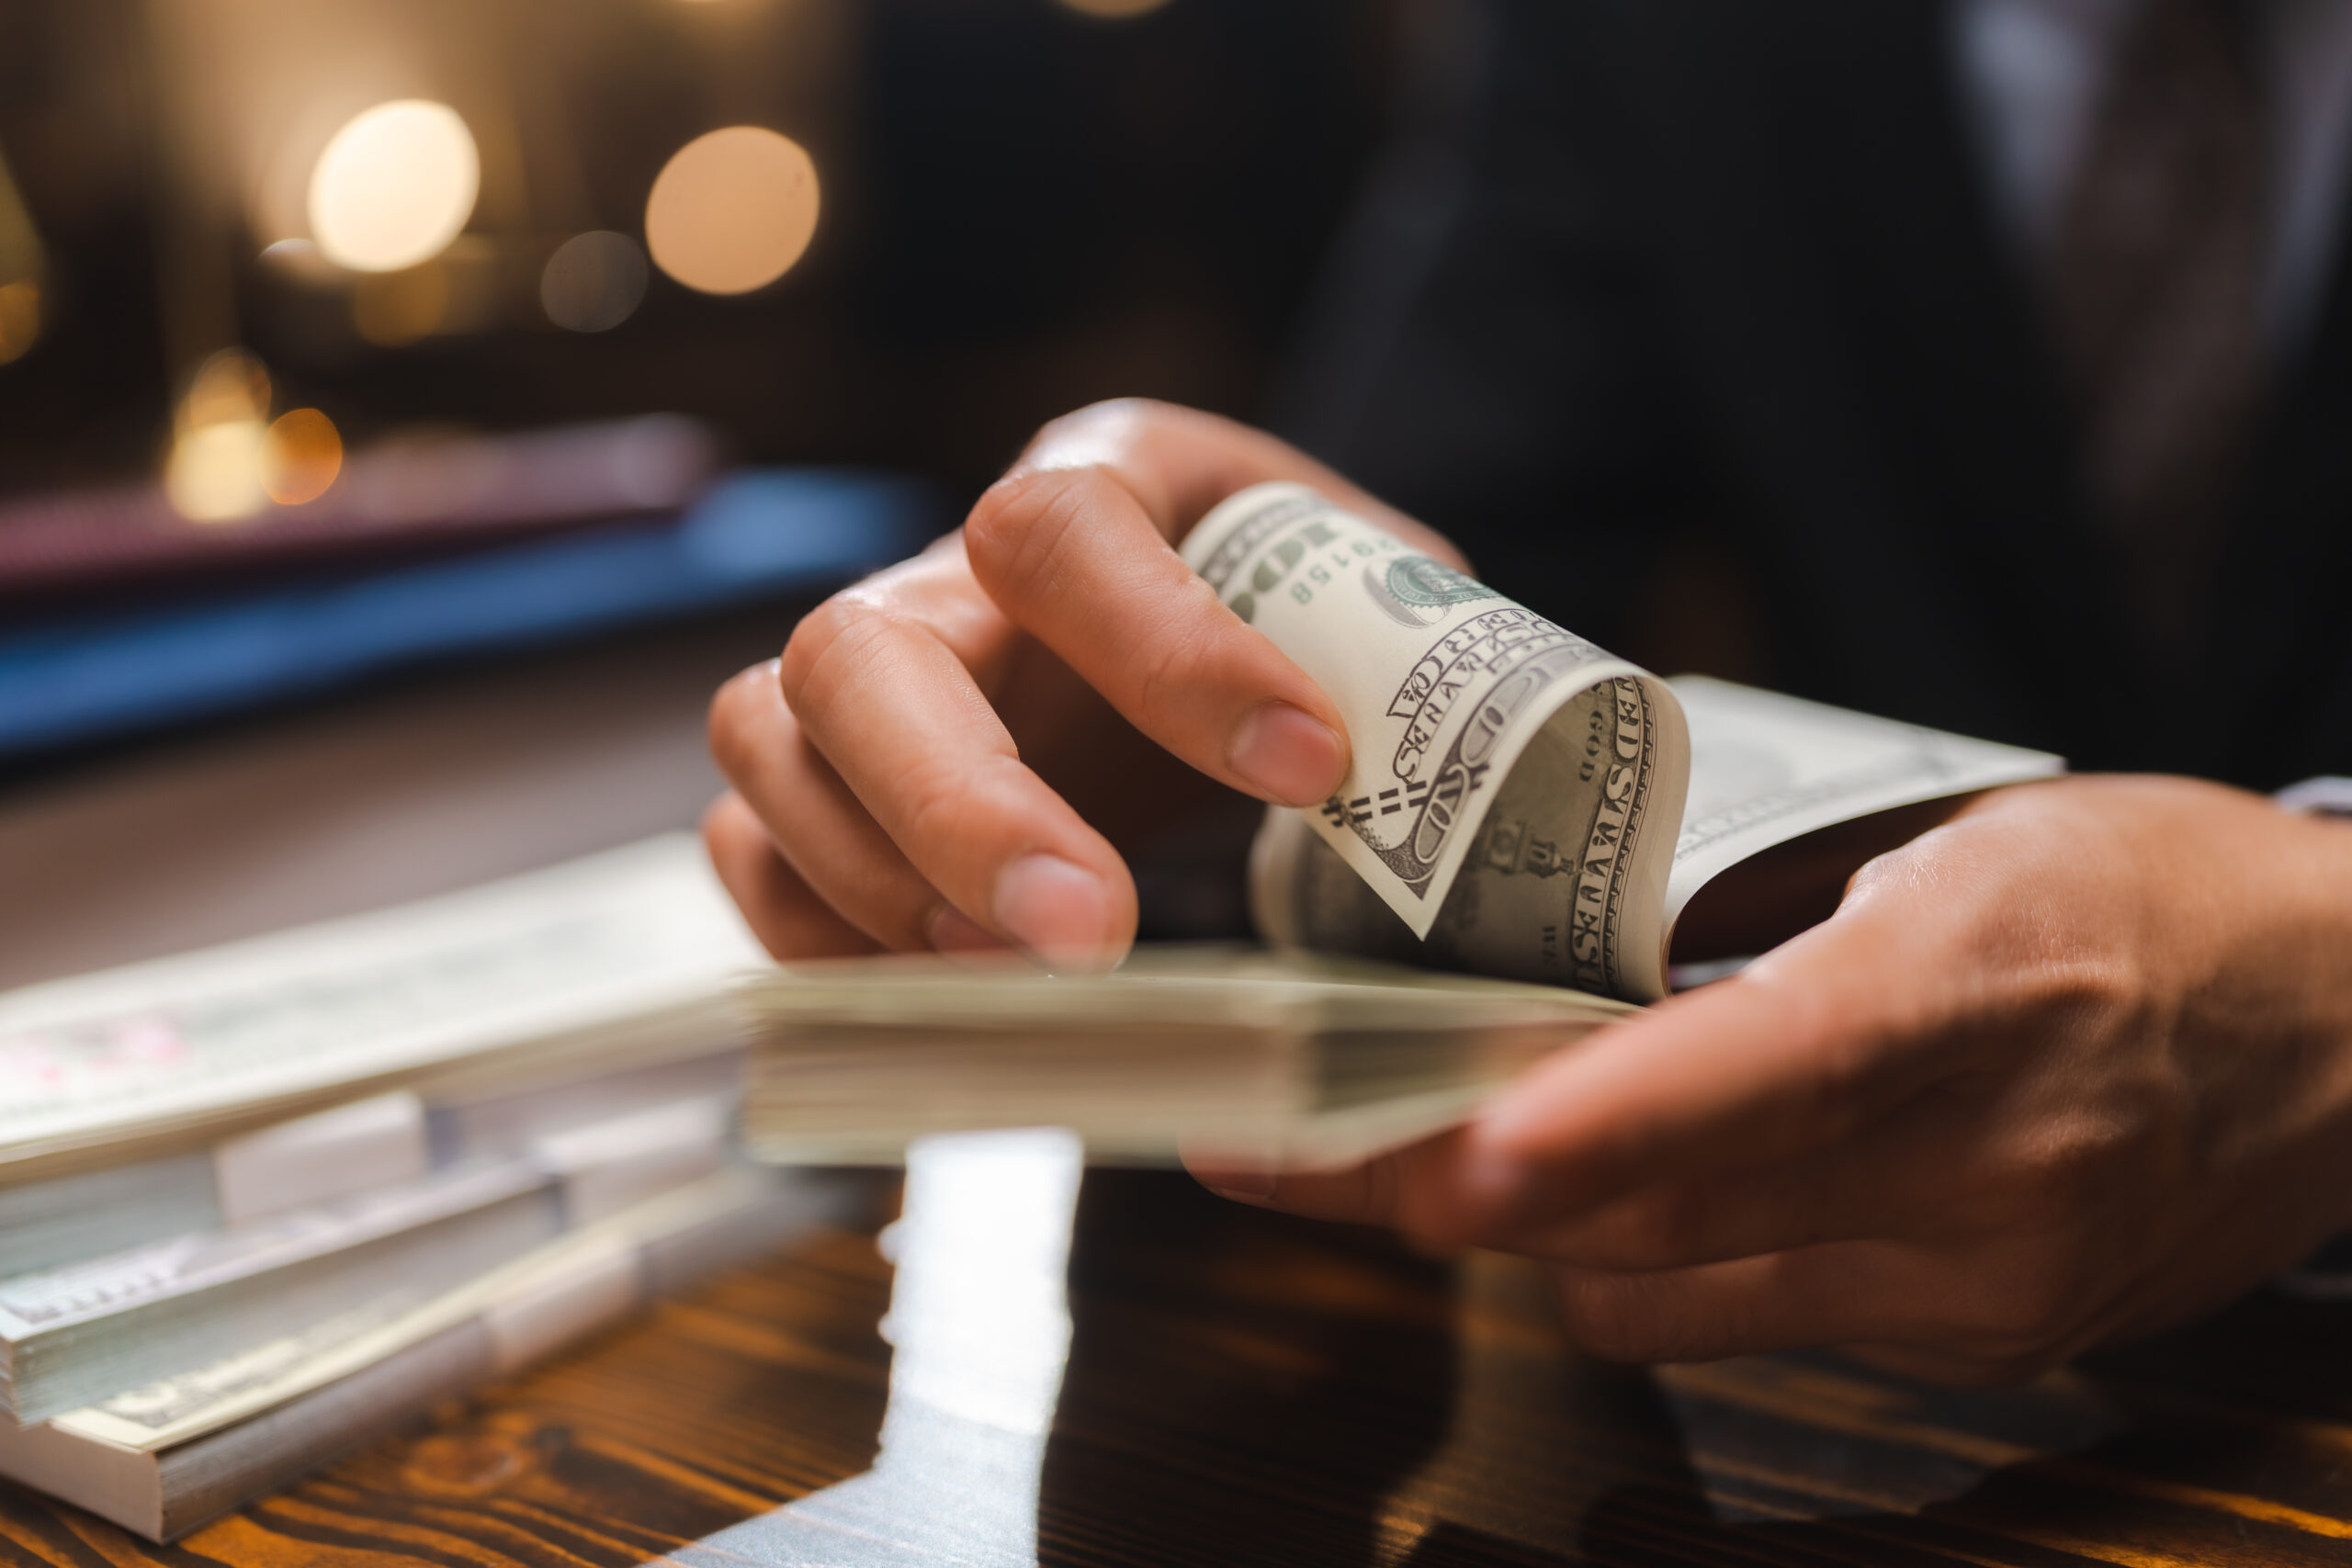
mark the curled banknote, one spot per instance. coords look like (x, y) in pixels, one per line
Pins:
(1515, 793)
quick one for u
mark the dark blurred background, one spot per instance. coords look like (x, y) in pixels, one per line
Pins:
(332, 569)
(1024, 205)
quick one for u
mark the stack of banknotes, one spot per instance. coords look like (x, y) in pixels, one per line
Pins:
(261, 1204)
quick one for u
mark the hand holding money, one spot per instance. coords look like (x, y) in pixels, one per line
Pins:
(2073, 1067)
(952, 754)
(1463, 705)
(2077, 1064)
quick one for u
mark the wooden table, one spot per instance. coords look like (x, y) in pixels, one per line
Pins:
(1243, 1389)
(1217, 1386)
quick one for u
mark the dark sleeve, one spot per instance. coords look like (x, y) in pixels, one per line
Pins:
(1484, 350)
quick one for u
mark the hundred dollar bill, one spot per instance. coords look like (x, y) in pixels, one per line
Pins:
(1510, 780)
(1584, 822)
(1766, 769)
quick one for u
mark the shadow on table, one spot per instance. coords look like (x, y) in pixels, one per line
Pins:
(1242, 1387)
(1227, 1388)
(2224, 1442)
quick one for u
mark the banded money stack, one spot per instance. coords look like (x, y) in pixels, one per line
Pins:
(261, 1204)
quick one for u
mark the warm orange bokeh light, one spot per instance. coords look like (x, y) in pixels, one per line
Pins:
(20, 318)
(732, 211)
(214, 474)
(301, 457)
(230, 388)
(215, 471)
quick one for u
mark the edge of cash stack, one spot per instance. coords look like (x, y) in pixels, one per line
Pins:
(90, 1328)
(164, 1494)
(1292, 1059)
(615, 959)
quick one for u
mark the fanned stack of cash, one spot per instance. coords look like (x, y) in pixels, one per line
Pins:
(260, 1204)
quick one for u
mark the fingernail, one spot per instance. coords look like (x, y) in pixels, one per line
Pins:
(1059, 911)
(951, 931)
(1288, 754)
(1242, 1186)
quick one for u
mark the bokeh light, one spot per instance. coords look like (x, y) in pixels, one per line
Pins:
(230, 388)
(20, 318)
(394, 187)
(593, 281)
(301, 457)
(299, 261)
(215, 474)
(1114, 10)
(217, 462)
(732, 211)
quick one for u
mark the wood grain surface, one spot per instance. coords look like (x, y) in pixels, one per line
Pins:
(1245, 1389)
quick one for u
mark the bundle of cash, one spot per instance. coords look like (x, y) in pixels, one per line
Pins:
(166, 1457)
(513, 1117)
(1226, 1054)
(621, 958)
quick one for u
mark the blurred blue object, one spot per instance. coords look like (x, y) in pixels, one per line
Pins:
(754, 536)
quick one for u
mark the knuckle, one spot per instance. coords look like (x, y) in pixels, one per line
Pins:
(837, 639)
(1168, 673)
(935, 800)
(813, 637)
(1019, 528)
(722, 829)
(729, 725)
(1106, 416)
(2061, 1182)
(2069, 1173)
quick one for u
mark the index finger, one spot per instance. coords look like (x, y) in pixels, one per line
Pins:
(1074, 546)
(1177, 463)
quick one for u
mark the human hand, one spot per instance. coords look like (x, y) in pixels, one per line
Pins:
(949, 754)
(2072, 1067)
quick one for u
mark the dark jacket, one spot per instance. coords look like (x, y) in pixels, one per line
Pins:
(1691, 320)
